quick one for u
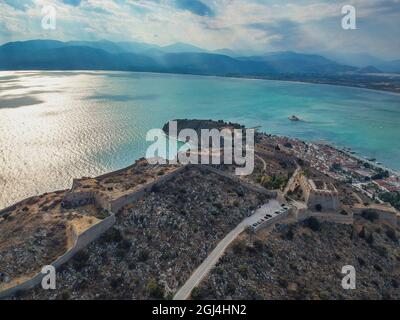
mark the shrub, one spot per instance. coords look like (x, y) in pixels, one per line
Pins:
(120, 253)
(243, 269)
(378, 267)
(143, 255)
(80, 260)
(391, 234)
(370, 215)
(115, 282)
(290, 234)
(125, 244)
(196, 293)
(230, 288)
(313, 224)
(65, 295)
(283, 283)
(361, 261)
(238, 247)
(362, 233)
(112, 235)
(318, 207)
(370, 239)
(155, 290)
(258, 245)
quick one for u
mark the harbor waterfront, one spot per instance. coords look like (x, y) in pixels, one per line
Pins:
(56, 126)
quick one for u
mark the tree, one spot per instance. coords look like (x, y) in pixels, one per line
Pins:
(155, 290)
(318, 207)
(313, 224)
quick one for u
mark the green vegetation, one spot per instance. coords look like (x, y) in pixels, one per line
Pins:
(381, 175)
(392, 197)
(272, 183)
(155, 290)
(391, 234)
(80, 260)
(313, 224)
(112, 235)
(370, 215)
(102, 214)
(243, 269)
(238, 247)
(196, 293)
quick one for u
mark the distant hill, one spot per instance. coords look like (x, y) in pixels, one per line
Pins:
(369, 69)
(292, 62)
(176, 58)
(363, 60)
(182, 47)
(390, 66)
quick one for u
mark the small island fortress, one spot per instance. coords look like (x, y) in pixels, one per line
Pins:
(144, 204)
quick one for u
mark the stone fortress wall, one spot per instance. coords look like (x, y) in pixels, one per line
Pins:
(78, 199)
(319, 193)
(80, 241)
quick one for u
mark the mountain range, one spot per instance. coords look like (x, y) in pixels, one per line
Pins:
(176, 58)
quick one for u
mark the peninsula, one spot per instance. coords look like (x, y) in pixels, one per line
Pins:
(152, 231)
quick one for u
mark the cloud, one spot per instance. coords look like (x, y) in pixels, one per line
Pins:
(18, 4)
(72, 2)
(195, 6)
(253, 26)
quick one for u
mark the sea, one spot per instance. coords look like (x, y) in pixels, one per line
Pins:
(56, 126)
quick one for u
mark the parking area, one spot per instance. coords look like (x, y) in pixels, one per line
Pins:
(266, 214)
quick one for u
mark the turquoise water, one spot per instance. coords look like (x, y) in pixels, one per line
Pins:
(55, 126)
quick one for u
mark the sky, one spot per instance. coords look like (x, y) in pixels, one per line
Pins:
(253, 26)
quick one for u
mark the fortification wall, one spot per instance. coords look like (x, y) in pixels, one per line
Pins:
(272, 221)
(304, 214)
(90, 197)
(388, 216)
(15, 205)
(271, 194)
(79, 199)
(328, 202)
(117, 204)
(80, 242)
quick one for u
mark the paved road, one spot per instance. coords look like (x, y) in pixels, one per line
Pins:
(199, 274)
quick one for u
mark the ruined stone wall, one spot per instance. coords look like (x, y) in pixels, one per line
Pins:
(80, 242)
(388, 216)
(271, 194)
(304, 214)
(329, 200)
(117, 204)
(78, 199)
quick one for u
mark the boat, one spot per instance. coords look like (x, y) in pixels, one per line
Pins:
(294, 118)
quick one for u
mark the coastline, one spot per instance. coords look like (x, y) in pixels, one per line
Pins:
(238, 77)
(337, 148)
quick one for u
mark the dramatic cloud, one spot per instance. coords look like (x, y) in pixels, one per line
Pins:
(195, 6)
(18, 4)
(250, 26)
(72, 2)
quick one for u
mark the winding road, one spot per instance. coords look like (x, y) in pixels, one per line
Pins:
(199, 274)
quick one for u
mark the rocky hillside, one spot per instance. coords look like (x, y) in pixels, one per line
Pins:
(156, 242)
(304, 261)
